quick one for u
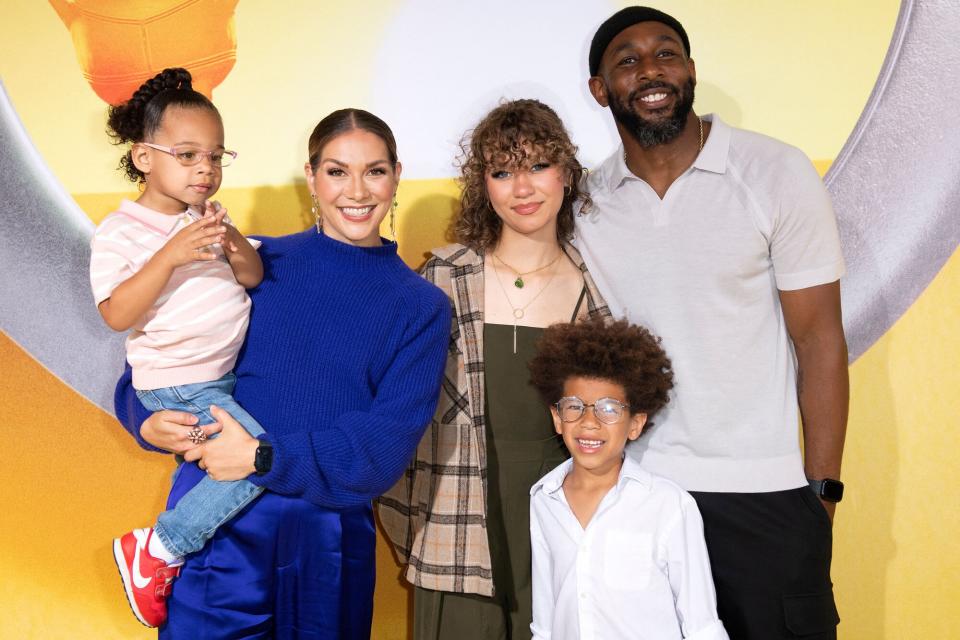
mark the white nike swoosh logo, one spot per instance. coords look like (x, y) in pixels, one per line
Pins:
(139, 580)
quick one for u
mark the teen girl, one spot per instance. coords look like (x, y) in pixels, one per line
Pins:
(460, 518)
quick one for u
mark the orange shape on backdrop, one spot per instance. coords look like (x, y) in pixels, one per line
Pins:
(120, 44)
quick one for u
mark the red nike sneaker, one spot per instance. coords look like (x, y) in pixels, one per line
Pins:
(146, 580)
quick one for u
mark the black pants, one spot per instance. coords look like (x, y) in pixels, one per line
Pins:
(770, 554)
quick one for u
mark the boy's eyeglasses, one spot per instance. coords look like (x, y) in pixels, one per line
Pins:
(607, 410)
(189, 156)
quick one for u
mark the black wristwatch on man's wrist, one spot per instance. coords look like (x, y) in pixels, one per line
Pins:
(263, 459)
(827, 489)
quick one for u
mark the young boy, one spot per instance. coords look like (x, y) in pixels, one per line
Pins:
(617, 552)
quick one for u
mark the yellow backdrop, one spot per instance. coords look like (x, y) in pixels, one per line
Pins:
(72, 480)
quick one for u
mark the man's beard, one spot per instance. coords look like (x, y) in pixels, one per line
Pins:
(651, 134)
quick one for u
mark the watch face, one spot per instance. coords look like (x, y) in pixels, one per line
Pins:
(831, 490)
(263, 459)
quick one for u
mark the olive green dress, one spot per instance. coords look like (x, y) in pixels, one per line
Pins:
(522, 446)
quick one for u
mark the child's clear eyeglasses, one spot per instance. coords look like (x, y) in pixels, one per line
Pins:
(607, 410)
(189, 156)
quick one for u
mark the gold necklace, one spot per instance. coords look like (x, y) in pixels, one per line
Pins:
(519, 283)
(518, 311)
(699, 148)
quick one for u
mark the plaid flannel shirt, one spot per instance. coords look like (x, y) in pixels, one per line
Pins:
(435, 516)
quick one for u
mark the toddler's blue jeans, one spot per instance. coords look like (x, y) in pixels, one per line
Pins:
(195, 518)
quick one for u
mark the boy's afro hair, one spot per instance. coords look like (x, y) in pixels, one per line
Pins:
(618, 352)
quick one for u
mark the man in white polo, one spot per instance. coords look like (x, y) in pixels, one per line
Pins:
(724, 243)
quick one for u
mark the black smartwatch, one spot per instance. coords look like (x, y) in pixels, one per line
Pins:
(263, 459)
(827, 489)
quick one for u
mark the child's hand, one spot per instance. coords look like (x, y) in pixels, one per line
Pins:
(213, 207)
(232, 238)
(192, 242)
(243, 258)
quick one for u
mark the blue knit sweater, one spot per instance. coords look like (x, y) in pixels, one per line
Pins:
(342, 366)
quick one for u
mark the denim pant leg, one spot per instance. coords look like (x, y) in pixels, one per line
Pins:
(195, 518)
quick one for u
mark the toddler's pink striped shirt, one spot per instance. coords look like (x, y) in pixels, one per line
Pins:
(196, 327)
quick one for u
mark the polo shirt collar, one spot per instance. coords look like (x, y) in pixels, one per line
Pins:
(161, 222)
(616, 168)
(716, 149)
(631, 471)
(713, 156)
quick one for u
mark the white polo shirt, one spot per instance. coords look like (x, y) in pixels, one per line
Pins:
(639, 571)
(702, 269)
(195, 329)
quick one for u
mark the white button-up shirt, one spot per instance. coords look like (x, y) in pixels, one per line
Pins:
(639, 571)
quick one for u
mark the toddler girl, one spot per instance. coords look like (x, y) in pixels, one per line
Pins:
(172, 269)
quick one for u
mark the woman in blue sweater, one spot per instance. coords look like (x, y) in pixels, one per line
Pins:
(342, 366)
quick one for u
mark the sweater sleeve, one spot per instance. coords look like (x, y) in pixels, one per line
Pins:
(130, 412)
(361, 454)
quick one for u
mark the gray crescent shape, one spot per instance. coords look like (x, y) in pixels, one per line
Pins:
(896, 182)
(47, 305)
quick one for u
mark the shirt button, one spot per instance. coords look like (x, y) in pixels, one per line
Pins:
(583, 596)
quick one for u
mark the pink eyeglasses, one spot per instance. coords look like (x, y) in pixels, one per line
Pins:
(189, 156)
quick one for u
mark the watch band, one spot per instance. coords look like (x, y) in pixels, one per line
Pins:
(827, 489)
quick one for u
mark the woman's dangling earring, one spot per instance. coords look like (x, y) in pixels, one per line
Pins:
(315, 210)
(393, 215)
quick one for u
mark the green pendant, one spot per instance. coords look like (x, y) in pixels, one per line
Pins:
(518, 283)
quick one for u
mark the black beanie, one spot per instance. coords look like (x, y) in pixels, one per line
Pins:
(623, 19)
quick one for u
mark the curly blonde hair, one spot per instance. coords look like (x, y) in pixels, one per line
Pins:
(515, 134)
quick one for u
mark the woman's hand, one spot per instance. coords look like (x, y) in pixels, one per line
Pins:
(230, 455)
(173, 431)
